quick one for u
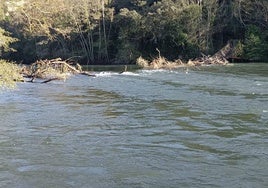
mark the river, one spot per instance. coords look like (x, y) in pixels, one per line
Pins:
(198, 127)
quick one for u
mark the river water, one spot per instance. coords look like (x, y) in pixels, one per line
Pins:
(200, 127)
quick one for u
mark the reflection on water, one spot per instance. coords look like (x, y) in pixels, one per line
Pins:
(207, 128)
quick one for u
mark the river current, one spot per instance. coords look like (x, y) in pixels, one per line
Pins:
(199, 127)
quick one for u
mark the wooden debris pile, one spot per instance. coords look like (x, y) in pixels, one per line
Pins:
(219, 58)
(162, 63)
(48, 70)
(158, 63)
(208, 60)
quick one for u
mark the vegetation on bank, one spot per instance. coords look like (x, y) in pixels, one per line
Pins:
(9, 74)
(120, 31)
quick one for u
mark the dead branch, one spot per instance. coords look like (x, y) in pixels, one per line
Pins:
(54, 69)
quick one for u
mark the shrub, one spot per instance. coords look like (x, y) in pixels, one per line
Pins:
(9, 74)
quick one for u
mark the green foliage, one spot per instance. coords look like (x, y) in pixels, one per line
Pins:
(239, 49)
(256, 44)
(121, 30)
(5, 41)
(162, 26)
(129, 34)
(2, 13)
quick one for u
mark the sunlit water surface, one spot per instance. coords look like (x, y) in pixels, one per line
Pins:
(201, 127)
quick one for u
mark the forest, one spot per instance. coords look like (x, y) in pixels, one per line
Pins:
(120, 31)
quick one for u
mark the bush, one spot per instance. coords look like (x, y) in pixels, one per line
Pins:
(9, 74)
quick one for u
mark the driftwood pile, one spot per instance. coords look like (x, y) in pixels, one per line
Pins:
(49, 70)
(219, 58)
(159, 63)
(162, 63)
(208, 60)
